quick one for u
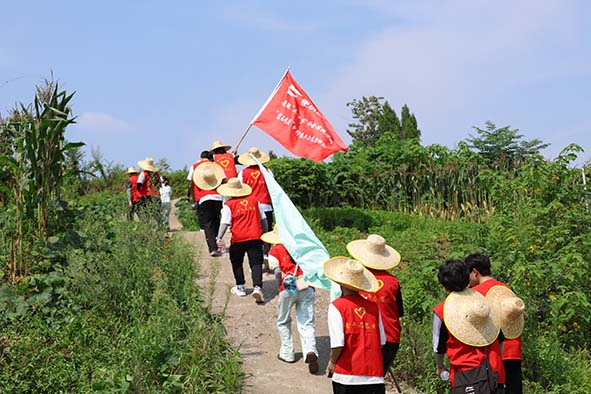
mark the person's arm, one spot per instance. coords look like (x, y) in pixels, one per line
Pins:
(128, 187)
(225, 222)
(439, 344)
(337, 337)
(335, 353)
(263, 216)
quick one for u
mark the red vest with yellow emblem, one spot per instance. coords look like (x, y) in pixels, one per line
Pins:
(246, 219)
(135, 193)
(252, 176)
(148, 189)
(361, 355)
(386, 300)
(226, 160)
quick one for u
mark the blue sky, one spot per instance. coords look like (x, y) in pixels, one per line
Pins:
(166, 79)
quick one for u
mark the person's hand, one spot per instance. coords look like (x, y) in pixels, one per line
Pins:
(330, 368)
(129, 203)
(220, 244)
(195, 206)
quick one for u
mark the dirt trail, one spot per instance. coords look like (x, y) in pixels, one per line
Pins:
(251, 327)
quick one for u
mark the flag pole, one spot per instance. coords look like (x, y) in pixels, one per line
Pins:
(261, 110)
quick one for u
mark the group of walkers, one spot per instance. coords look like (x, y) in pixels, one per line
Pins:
(148, 193)
(477, 326)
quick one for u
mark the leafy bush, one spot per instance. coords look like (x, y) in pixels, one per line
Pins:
(329, 218)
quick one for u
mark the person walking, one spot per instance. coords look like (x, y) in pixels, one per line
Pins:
(165, 202)
(133, 195)
(465, 330)
(148, 185)
(293, 292)
(356, 330)
(379, 258)
(510, 310)
(224, 158)
(205, 176)
(243, 213)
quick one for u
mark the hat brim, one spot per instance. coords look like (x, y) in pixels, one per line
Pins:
(201, 182)
(359, 249)
(511, 328)
(333, 269)
(227, 191)
(134, 171)
(456, 321)
(271, 237)
(246, 159)
(146, 166)
(214, 147)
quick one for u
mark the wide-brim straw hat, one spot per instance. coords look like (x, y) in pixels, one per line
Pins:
(218, 144)
(147, 164)
(271, 237)
(468, 317)
(208, 175)
(508, 309)
(374, 253)
(132, 170)
(246, 159)
(351, 274)
(234, 188)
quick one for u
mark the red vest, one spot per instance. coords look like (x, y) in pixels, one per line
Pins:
(386, 300)
(362, 354)
(246, 219)
(226, 160)
(463, 357)
(511, 347)
(252, 176)
(286, 263)
(135, 194)
(147, 189)
(198, 194)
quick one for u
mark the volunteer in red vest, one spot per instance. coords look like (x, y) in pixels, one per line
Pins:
(243, 213)
(510, 313)
(148, 185)
(465, 330)
(293, 291)
(356, 330)
(133, 195)
(379, 258)
(251, 175)
(224, 158)
(205, 176)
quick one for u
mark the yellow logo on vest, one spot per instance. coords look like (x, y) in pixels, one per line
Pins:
(360, 312)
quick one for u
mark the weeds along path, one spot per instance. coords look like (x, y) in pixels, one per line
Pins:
(251, 327)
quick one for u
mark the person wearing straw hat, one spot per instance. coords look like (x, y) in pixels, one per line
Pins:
(243, 213)
(204, 177)
(379, 258)
(224, 158)
(356, 330)
(482, 281)
(133, 195)
(293, 292)
(465, 330)
(251, 175)
(148, 185)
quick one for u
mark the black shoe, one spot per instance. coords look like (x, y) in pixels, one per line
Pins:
(312, 361)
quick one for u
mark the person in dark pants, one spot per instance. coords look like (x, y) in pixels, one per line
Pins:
(205, 176)
(379, 258)
(243, 213)
(133, 195)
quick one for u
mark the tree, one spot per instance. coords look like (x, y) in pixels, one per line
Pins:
(366, 115)
(503, 147)
(409, 125)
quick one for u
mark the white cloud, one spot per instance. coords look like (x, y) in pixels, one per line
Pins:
(99, 122)
(263, 20)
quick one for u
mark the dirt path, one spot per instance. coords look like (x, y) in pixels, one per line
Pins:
(251, 327)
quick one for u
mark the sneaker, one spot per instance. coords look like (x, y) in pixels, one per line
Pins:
(257, 293)
(239, 291)
(312, 361)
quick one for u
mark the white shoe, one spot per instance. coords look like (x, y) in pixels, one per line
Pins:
(239, 291)
(257, 293)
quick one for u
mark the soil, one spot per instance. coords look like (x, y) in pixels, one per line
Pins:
(251, 327)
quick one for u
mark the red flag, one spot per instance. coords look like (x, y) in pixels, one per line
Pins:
(291, 117)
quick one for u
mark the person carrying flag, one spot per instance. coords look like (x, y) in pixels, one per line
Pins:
(224, 158)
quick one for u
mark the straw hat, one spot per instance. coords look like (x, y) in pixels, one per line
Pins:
(271, 237)
(234, 188)
(467, 316)
(147, 164)
(508, 309)
(246, 160)
(208, 175)
(374, 253)
(218, 144)
(351, 274)
(132, 170)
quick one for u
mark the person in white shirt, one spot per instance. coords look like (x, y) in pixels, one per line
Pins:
(165, 196)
